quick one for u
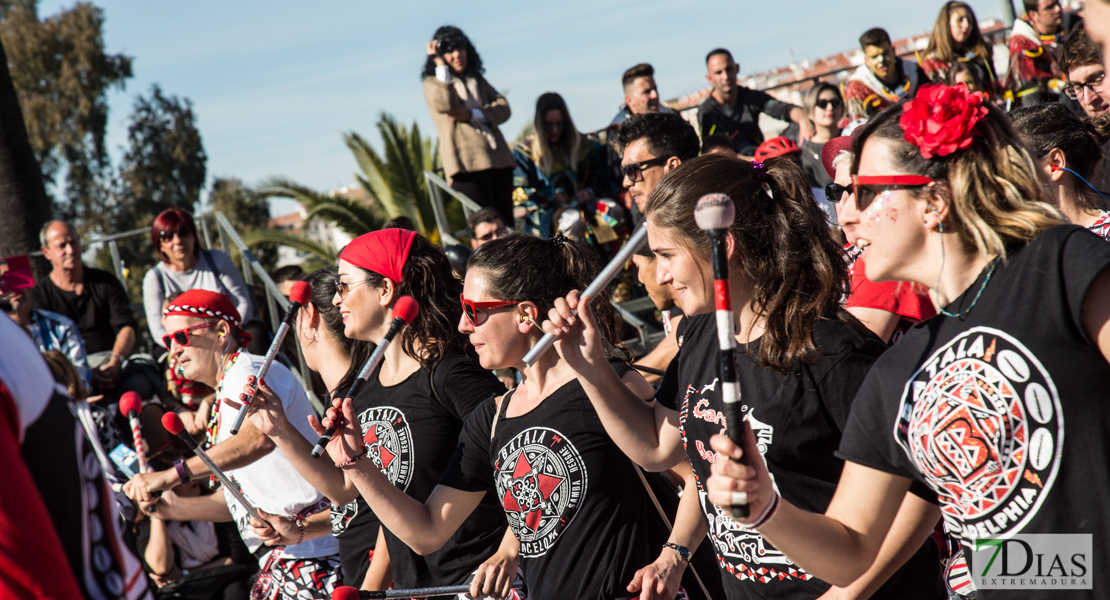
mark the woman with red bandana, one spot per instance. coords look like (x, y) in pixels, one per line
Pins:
(1004, 419)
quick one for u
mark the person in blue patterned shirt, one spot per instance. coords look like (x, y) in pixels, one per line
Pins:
(50, 331)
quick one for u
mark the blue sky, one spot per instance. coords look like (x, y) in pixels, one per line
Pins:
(275, 84)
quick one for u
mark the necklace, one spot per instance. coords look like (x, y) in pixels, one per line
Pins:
(994, 263)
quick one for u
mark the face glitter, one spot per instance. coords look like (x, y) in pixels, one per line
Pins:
(874, 212)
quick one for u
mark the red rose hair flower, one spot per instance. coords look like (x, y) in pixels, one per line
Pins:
(941, 119)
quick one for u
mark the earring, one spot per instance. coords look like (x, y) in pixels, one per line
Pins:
(525, 318)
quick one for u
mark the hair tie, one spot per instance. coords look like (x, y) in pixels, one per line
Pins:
(559, 240)
(760, 170)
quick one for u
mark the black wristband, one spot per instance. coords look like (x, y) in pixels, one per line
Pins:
(683, 551)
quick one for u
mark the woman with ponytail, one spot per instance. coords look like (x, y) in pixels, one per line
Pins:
(412, 407)
(998, 404)
(1068, 150)
(582, 515)
(801, 358)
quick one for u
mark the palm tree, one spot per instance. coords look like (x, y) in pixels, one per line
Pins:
(393, 182)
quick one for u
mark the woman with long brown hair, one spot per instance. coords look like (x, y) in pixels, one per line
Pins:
(999, 403)
(956, 38)
(801, 359)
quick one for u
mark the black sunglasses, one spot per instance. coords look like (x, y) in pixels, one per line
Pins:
(630, 171)
(450, 44)
(825, 103)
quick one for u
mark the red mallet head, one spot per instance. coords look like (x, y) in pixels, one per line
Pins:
(300, 293)
(173, 423)
(406, 308)
(130, 402)
(344, 592)
(714, 211)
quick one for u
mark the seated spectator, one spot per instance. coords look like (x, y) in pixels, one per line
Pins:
(485, 225)
(285, 277)
(92, 298)
(889, 308)
(969, 74)
(562, 176)
(653, 145)
(49, 330)
(733, 110)
(185, 266)
(882, 80)
(664, 299)
(1035, 43)
(718, 143)
(466, 111)
(641, 96)
(824, 106)
(956, 40)
(1069, 151)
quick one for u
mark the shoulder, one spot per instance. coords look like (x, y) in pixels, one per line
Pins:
(709, 104)
(834, 336)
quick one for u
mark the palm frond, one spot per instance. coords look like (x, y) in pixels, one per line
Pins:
(273, 237)
(352, 216)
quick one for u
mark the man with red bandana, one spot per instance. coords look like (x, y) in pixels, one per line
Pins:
(1035, 43)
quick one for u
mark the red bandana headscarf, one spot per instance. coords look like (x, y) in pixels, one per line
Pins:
(384, 251)
(208, 305)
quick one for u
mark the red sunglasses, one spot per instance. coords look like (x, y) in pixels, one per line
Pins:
(181, 336)
(471, 308)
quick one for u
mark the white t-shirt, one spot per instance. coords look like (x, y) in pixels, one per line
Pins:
(271, 483)
(24, 371)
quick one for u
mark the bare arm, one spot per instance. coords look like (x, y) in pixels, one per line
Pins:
(662, 578)
(880, 322)
(1096, 313)
(380, 574)
(281, 531)
(159, 554)
(647, 433)
(172, 507)
(125, 341)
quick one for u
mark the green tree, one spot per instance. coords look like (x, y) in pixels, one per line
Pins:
(63, 74)
(247, 211)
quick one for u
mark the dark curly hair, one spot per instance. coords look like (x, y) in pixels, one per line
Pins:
(784, 247)
(667, 135)
(473, 61)
(427, 277)
(526, 268)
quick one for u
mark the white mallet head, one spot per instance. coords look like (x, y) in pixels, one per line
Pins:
(714, 211)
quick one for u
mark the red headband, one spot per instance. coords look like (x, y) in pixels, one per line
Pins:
(208, 305)
(384, 251)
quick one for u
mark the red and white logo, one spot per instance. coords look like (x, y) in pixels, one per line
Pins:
(541, 481)
(388, 439)
(982, 421)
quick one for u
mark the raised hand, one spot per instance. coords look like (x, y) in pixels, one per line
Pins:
(346, 444)
(730, 479)
(265, 409)
(579, 338)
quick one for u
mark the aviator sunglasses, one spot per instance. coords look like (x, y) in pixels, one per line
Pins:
(471, 308)
(866, 187)
(181, 336)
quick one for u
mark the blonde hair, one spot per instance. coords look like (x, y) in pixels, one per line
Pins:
(569, 144)
(66, 374)
(995, 190)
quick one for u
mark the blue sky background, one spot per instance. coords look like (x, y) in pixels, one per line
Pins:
(275, 84)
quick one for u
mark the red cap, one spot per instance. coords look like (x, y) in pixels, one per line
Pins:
(344, 592)
(130, 402)
(172, 423)
(833, 148)
(406, 308)
(300, 293)
(208, 305)
(776, 146)
(384, 251)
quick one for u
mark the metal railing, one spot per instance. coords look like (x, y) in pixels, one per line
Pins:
(437, 186)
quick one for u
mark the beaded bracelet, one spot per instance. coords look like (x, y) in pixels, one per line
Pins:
(768, 513)
(300, 525)
(365, 452)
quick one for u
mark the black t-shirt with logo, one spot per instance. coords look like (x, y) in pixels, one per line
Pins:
(572, 498)
(355, 525)
(1003, 412)
(797, 420)
(411, 437)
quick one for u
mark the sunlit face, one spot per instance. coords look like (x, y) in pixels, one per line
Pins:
(677, 266)
(553, 125)
(63, 247)
(1094, 104)
(637, 152)
(641, 96)
(892, 225)
(456, 59)
(1049, 16)
(662, 296)
(365, 316)
(499, 337)
(178, 246)
(833, 111)
(722, 73)
(200, 359)
(487, 232)
(1096, 18)
(959, 24)
(880, 59)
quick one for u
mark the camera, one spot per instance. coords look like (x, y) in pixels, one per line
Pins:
(450, 44)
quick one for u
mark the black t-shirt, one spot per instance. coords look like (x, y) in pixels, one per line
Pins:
(740, 120)
(572, 498)
(354, 525)
(100, 312)
(1004, 412)
(798, 420)
(411, 437)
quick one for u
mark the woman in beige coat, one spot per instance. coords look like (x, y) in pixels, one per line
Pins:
(466, 111)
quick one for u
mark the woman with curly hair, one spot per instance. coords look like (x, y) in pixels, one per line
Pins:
(999, 405)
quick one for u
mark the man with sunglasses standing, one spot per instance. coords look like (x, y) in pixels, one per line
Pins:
(733, 110)
(206, 340)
